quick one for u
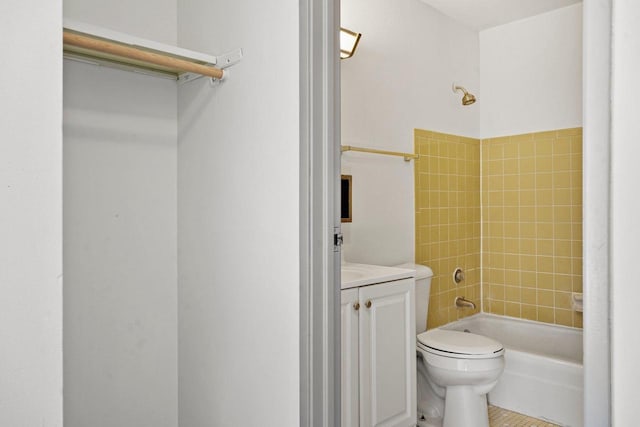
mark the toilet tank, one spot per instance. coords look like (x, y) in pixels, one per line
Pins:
(423, 286)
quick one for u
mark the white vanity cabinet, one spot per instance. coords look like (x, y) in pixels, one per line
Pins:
(379, 355)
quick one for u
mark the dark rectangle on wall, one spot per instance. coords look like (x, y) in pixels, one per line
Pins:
(345, 198)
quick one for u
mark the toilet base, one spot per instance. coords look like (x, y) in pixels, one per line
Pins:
(463, 406)
(454, 390)
(430, 402)
(430, 422)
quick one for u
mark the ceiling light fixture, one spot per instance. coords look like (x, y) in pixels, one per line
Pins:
(348, 43)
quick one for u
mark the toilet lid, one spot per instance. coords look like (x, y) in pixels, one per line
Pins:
(459, 342)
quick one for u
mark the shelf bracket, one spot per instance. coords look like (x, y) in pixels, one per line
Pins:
(222, 61)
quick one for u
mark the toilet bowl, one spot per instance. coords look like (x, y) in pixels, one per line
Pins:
(455, 369)
(458, 369)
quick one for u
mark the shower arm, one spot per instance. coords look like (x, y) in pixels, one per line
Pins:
(457, 88)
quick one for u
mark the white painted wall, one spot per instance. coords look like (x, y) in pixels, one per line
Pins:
(120, 228)
(30, 214)
(149, 19)
(238, 219)
(120, 260)
(625, 208)
(531, 74)
(399, 79)
(484, 14)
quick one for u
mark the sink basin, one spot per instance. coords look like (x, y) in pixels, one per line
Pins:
(354, 275)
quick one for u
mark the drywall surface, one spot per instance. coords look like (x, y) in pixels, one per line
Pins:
(31, 214)
(149, 19)
(625, 207)
(399, 79)
(238, 216)
(531, 74)
(120, 260)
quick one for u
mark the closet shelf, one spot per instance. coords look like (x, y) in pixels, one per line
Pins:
(92, 44)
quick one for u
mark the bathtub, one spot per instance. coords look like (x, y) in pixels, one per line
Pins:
(543, 367)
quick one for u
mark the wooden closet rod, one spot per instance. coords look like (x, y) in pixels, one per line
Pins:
(111, 48)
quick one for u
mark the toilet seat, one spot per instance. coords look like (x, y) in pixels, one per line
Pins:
(459, 345)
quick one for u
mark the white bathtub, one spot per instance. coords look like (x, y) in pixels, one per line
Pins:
(543, 367)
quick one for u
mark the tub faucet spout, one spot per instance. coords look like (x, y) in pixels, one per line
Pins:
(462, 302)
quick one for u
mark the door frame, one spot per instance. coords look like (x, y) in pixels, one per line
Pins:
(597, 25)
(319, 213)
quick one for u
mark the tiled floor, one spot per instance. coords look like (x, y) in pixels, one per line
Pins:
(499, 417)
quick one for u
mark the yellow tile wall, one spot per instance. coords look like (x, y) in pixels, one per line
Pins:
(447, 186)
(532, 225)
(526, 221)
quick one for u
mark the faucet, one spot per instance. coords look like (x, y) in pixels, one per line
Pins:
(462, 302)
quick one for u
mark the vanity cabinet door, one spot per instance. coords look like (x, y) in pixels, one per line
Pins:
(350, 393)
(387, 355)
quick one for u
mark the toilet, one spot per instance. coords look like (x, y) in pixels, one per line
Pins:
(455, 369)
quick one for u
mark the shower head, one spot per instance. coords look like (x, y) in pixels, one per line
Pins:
(467, 98)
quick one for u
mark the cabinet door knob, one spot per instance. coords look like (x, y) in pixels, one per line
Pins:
(368, 304)
(356, 306)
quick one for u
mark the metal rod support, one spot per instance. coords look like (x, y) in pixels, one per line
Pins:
(407, 156)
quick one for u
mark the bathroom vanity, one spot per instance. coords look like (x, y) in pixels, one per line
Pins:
(378, 346)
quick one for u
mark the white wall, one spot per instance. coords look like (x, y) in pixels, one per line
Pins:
(120, 228)
(238, 213)
(625, 208)
(150, 19)
(120, 260)
(30, 214)
(399, 79)
(531, 74)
